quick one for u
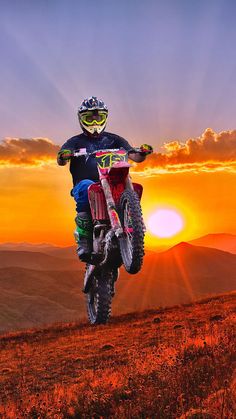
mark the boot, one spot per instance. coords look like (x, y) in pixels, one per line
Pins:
(84, 235)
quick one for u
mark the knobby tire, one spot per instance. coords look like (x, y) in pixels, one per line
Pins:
(99, 299)
(132, 246)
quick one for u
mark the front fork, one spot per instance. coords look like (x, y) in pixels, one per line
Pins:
(128, 183)
(111, 208)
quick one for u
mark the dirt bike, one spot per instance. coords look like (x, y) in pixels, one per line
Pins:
(118, 229)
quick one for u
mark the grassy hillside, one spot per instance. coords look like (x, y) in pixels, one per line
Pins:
(165, 363)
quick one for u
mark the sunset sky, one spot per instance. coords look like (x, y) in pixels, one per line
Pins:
(166, 70)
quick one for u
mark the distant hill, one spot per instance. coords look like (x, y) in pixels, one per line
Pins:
(37, 260)
(26, 246)
(37, 288)
(68, 252)
(31, 297)
(221, 241)
(180, 274)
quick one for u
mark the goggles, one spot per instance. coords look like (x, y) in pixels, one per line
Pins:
(92, 118)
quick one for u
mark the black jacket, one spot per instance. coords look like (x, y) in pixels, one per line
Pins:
(81, 168)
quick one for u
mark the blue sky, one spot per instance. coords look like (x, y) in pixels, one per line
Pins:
(166, 69)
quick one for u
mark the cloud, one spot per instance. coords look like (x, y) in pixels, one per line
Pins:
(22, 151)
(209, 152)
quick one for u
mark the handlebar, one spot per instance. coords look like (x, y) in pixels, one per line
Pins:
(83, 152)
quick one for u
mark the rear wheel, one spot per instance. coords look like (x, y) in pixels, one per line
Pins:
(132, 242)
(99, 298)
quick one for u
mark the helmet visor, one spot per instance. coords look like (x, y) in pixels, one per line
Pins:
(93, 117)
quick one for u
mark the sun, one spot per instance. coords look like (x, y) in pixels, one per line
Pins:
(165, 223)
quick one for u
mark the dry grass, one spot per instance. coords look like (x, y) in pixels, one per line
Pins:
(173, 363)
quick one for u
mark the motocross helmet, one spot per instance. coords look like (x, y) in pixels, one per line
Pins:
(92, 115)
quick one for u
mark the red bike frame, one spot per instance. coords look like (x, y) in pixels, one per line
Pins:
(114, 178)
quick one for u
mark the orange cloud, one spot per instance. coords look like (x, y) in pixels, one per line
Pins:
(211, 151)
(21, 151)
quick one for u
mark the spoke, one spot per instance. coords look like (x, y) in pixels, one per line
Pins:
(94, 299)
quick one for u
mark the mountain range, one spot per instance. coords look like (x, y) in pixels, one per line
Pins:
(38, 288)
(221, 241)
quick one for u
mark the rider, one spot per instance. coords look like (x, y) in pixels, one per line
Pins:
(92, 115)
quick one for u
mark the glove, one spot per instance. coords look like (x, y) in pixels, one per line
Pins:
(146, 149)
(64, 154)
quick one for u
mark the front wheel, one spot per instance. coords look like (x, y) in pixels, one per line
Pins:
(132, 241)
